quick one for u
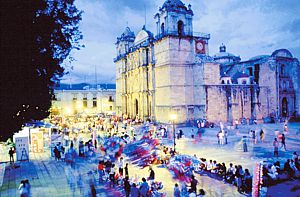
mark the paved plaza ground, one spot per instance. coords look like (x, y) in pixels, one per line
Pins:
(54, 178)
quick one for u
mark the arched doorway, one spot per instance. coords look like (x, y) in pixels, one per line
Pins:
(136, 107)
(180, 26)
(284, 107)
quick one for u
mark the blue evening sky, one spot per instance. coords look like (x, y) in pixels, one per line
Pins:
(247, 28)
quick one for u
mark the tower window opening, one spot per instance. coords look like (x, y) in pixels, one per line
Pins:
(180, 28)
(162, 27)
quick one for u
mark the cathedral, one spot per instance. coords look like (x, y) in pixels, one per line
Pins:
(172, 72)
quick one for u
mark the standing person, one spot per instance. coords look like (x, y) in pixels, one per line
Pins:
(100, 171)
(176, 191)
(152, 174)
(283, 142)
(194, 183)
(236, 122)
(262, 135)
(127, 187)
(121, 166)
(134, 192)
(144, 188)
(93, 190)
(23, 189)
(221, 137)
(112, 175)
(126, 170)
(28, 187)
(56, 153)
(11, 155)
(62, 154)
(275, 145)
(245, 144)
(254, 136)
(218, 137)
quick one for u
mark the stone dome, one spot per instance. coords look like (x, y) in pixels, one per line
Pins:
(282, 53)
(225, 57)
(173, 3)
(177, 6)
(143, 36)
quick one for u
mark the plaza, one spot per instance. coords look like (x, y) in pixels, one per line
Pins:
(56, 178)
(150, 108)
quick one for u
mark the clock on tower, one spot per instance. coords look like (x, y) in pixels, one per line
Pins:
(200, 46)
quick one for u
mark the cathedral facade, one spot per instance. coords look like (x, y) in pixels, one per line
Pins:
(173, 73)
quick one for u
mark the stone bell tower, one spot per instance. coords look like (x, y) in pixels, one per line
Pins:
(174, 62)
(175, 19)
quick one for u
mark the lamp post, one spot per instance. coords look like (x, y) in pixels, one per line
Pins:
(173, 118)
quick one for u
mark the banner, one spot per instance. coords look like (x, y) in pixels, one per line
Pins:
(37, 142)
(22, 147)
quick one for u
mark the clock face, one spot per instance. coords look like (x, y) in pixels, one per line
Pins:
(200, 46)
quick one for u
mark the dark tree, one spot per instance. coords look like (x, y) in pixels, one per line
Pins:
(36, 37)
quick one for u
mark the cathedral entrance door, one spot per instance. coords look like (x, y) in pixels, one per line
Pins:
(136, 107)
(284, 107)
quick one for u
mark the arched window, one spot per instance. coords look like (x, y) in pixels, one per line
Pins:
(180, 28)
(228, 81)
(222, 82)
(162, 28)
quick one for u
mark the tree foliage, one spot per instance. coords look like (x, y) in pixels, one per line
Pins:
(36, 37)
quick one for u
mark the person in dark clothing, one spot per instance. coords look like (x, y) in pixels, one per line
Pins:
(56, 153)
(11, 155)
(283, 142)
(134, 191)
(126, 170)
(127, 187)
(93, 191)
(194, 183)
(288, 168)
(152, 175)
(275, 145)
(222, 171)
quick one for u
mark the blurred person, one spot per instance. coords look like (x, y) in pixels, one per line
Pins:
(134, 191)
(194, 183)
(127, 186)
(283, 142)
(275, 145)
(144, 188)
(176, 191)
(23, 189)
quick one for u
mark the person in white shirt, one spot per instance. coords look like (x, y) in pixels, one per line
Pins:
(121, 166)
(112, 175)
(214, 167)
(209, 166)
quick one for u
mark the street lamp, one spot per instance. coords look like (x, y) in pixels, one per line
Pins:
(173, 118)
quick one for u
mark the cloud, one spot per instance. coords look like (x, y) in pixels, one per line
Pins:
(248, 28)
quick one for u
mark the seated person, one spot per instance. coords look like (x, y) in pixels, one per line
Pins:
(209, 166)
(215, 168)
(230, 173)
(272, 172)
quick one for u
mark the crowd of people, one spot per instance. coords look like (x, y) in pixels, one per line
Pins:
(274, 173)
(114, 173)
(233, 174)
